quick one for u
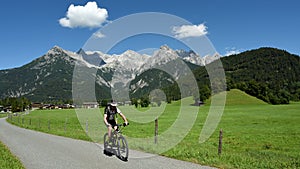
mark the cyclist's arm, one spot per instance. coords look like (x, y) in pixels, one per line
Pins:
(123, 117)
(105, 120)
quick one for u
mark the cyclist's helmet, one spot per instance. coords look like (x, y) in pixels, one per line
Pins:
(113, 104)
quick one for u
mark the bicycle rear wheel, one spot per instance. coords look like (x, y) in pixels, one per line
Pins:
(123, 148)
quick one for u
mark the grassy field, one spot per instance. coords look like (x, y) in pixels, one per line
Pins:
(3, 115)
(255, 134)
(58, 122)
(7, 160)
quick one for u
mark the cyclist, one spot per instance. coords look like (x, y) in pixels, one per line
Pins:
(110, 113)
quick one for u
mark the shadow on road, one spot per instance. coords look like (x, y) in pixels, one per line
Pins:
(111, 152)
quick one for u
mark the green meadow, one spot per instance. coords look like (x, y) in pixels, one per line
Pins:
(255, 134)
(3, 115)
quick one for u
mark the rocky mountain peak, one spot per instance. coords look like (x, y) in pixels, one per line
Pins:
(208, 59)
(165, 47)
(55, 50)
(81, 52)
(130, 52)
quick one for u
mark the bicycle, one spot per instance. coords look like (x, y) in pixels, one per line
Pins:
(117, 142)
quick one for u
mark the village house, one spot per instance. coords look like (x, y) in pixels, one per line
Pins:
(89, 105)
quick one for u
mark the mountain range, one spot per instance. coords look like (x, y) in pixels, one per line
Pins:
(51, 76)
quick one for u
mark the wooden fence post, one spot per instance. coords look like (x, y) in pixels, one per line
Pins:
(49, 125)
(66, 125)
(87, 126)
(156, 131)
(220, 142)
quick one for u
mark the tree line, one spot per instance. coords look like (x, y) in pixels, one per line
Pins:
(15, 104)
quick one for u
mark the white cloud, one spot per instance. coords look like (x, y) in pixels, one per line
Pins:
(232, 51)
(98, 35)
(90, 16)
(186, 31)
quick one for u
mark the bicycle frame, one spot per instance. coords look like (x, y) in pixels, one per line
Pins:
(118, 141)
(115, 134)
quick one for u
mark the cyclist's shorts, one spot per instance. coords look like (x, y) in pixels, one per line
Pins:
(112, 123)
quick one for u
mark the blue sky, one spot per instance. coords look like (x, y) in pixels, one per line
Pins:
(30, 28)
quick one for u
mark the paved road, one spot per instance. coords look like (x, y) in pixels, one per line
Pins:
(39, 150)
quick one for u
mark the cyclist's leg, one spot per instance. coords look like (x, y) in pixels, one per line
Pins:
(113, 124)
(116, 128)
(110, 127)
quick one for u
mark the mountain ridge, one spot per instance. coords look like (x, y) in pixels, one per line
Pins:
(49, 77)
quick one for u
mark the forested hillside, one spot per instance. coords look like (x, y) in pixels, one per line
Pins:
(269, 74)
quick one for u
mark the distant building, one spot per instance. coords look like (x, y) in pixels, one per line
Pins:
(65, 106)
(198, 102)
(120, 103)
(48, 106)
(51, 106)
(36, 105)
(89, 105)
(128, 103)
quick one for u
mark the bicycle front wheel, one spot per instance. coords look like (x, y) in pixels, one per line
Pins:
(105, 141)
(123, 150)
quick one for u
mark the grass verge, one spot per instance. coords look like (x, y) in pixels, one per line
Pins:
(8, 160)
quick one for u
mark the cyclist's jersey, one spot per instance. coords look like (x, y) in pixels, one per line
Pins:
(111, 114)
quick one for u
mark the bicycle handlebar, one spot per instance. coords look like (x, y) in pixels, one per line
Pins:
(124, 124)
(119, 126)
